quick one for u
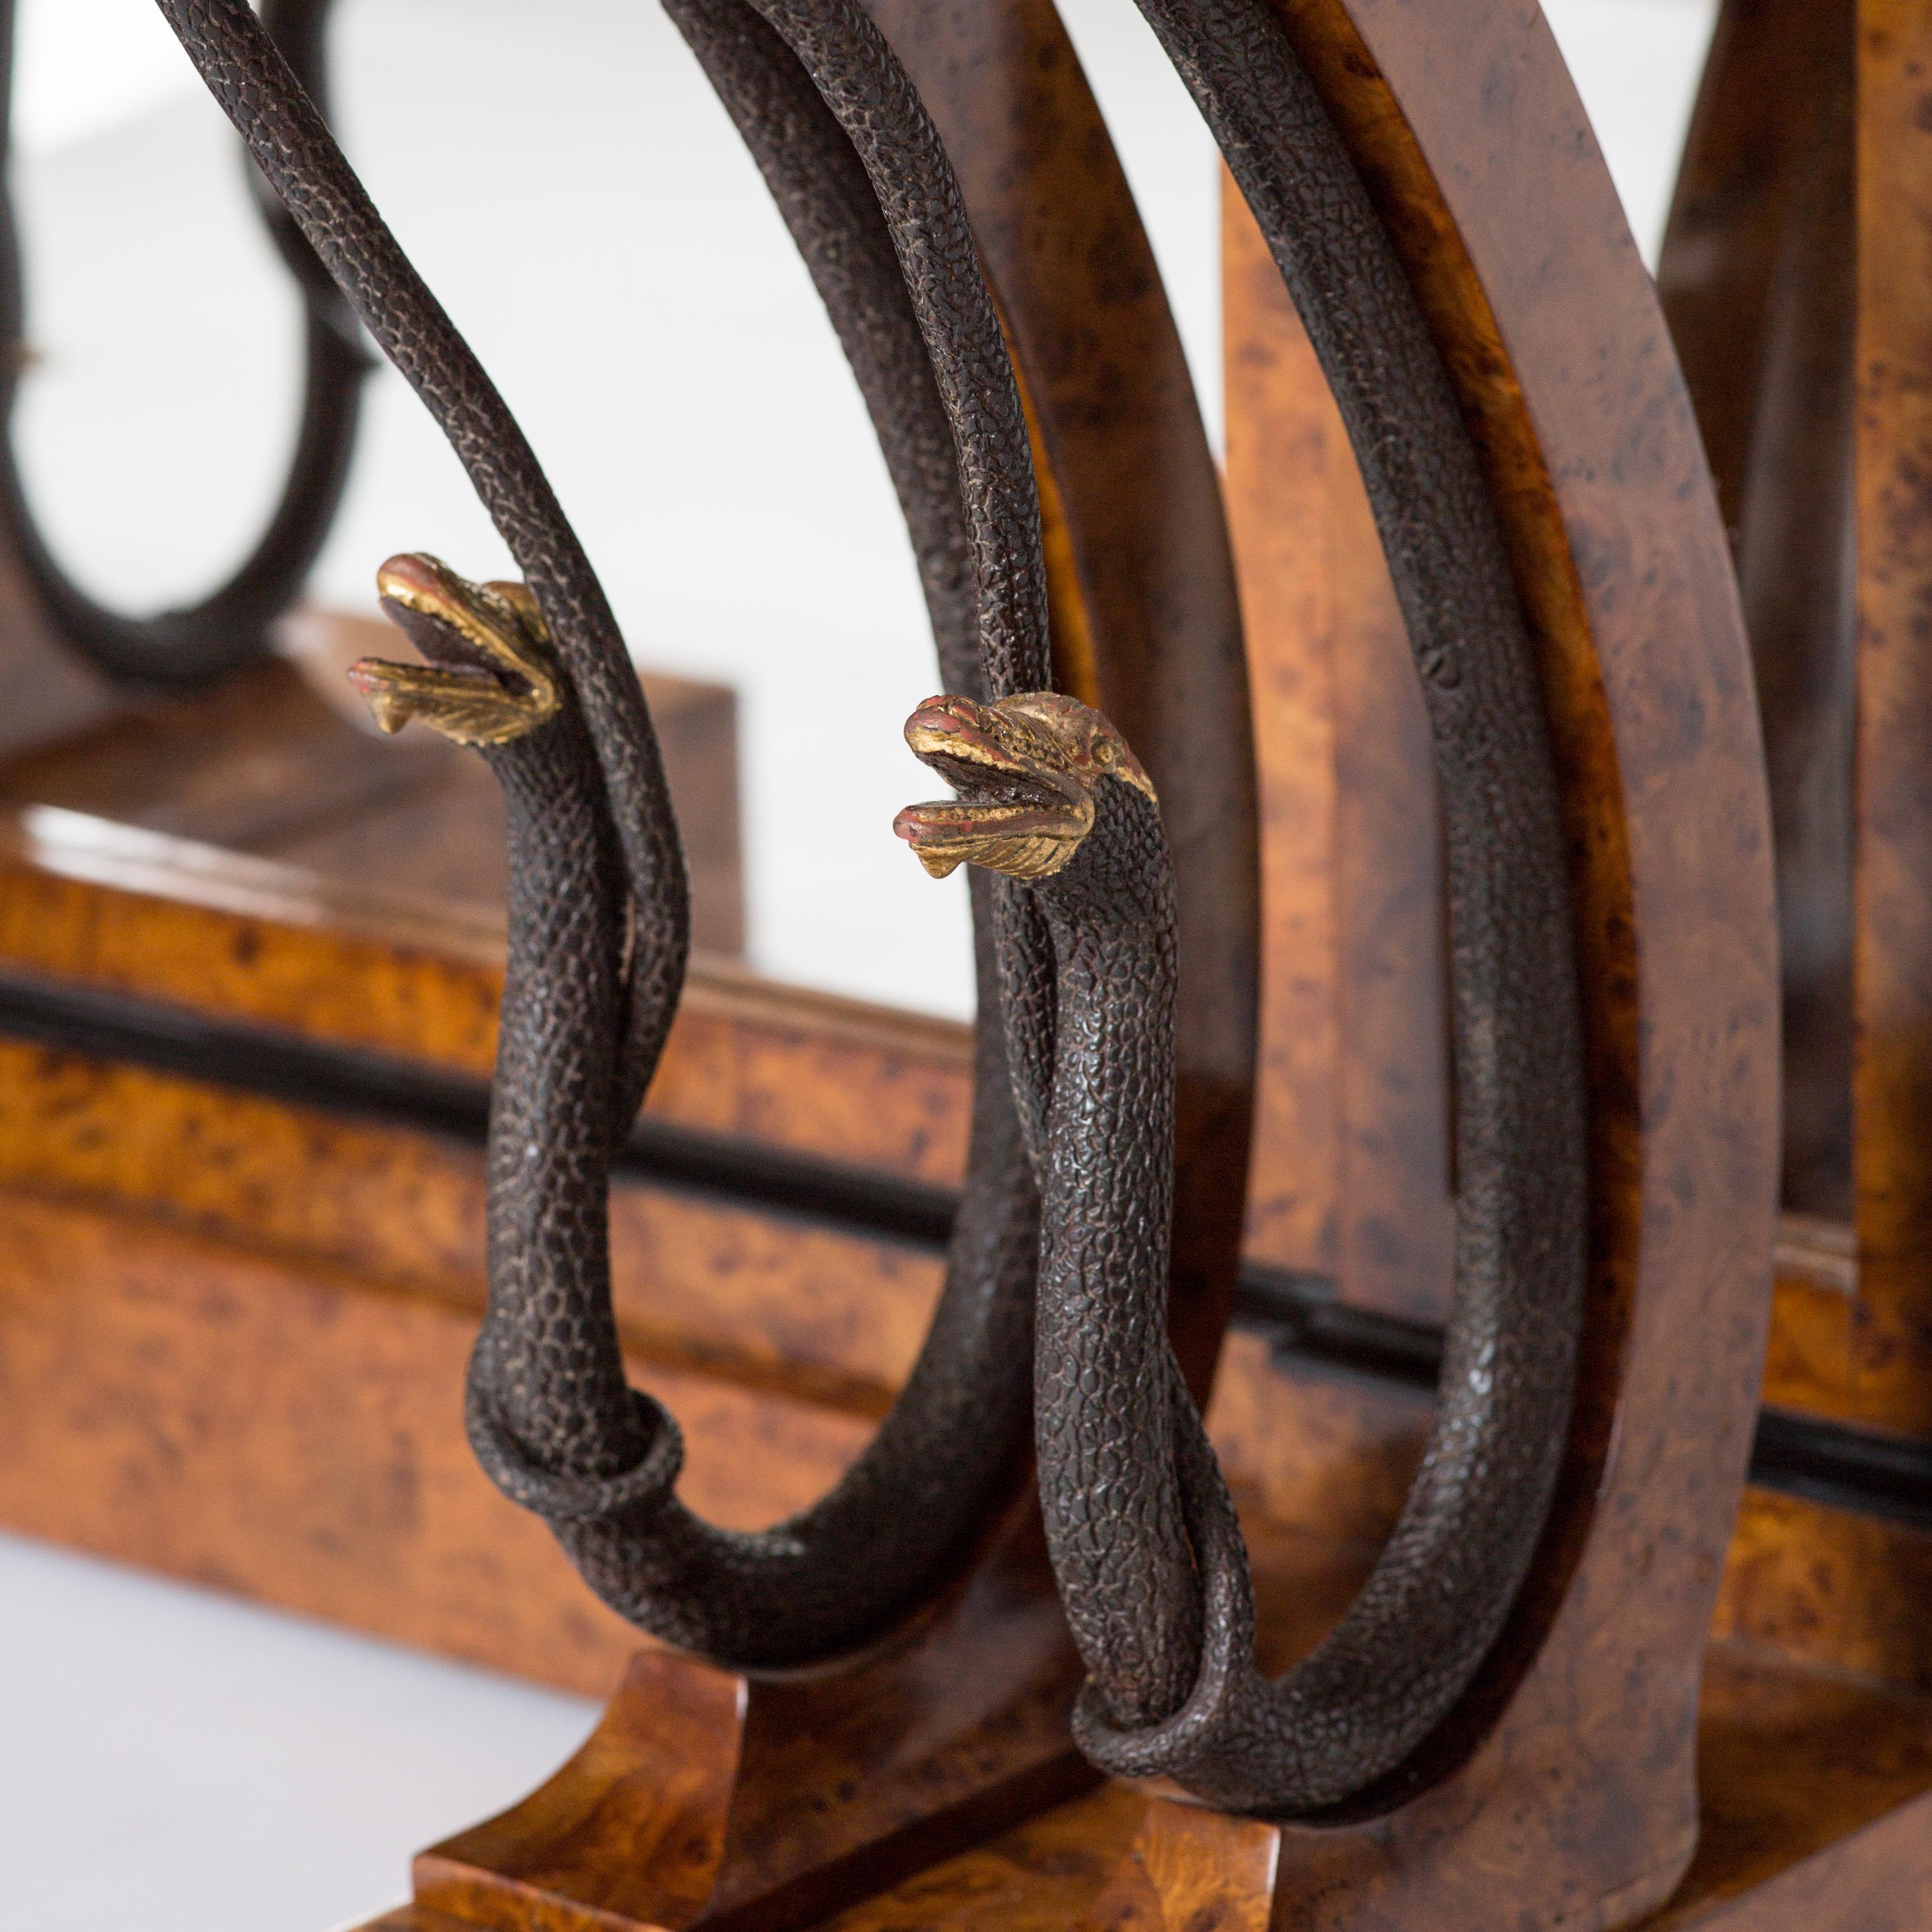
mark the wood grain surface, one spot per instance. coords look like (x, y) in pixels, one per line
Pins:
(280, 760)
(258, 1386)
(1281, 425)
(245, 1369)
(1815, 1814)
(119, 911)
(1757, 278)
(1351, 1178)
(1893, 960)
(704, 1799)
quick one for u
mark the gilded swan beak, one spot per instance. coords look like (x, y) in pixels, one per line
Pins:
(1026, 769)
(488, 678)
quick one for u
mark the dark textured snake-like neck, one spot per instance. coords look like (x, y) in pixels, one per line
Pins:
(924, 344)
(1140, 1566)
(179, 649)
(550, 1412)
(862, 81)
(248, 76)
(1105, 1380)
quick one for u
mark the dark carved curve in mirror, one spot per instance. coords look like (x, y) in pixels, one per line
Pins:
(181, 650)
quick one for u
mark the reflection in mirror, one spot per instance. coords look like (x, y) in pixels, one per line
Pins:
(163, 381)
(657, 334)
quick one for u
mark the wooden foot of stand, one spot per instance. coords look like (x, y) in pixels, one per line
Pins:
(1193, 1870)
(704, 1799)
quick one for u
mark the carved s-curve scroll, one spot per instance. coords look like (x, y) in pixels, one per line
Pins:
(183, 648)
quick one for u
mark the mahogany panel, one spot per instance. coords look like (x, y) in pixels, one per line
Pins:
(1817, 1800)
(1892, 1081)
(1281, 424)
(1757, 280)
(280, 759)
(810, 1309)
(295, 1299)
(120, 910)
(1843, 1591)
(1351, 1176)
(292, 1435)
(259, 755)
(1817, 1805)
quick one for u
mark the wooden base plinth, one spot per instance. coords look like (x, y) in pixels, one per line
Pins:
(698, 1803)
(706, 1799)
(1193, 1870)
(1816, 1816)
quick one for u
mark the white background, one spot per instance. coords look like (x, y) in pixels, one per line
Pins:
(583, 208)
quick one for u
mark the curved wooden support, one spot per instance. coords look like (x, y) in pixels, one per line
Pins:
(1563, 1790)
(1758, 281)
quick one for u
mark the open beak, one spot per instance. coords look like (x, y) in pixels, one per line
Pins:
(486, 679)
(1014, 815)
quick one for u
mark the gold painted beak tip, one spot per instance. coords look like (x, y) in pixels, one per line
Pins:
(388, 707)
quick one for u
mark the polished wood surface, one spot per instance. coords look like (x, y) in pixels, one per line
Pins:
(1817, 1812)
(1817, 1807)
(1757, 280)
(1278, 489)
(233, 1324)
(1351, 1179)
(246, 1367)
(1817, 1800)
(282, 760)
(1304, 1582)
(1892, 1090)
(1839, 1589)
(704, 1799)
(134, 915)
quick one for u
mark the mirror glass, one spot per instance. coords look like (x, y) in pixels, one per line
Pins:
(568, 184)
